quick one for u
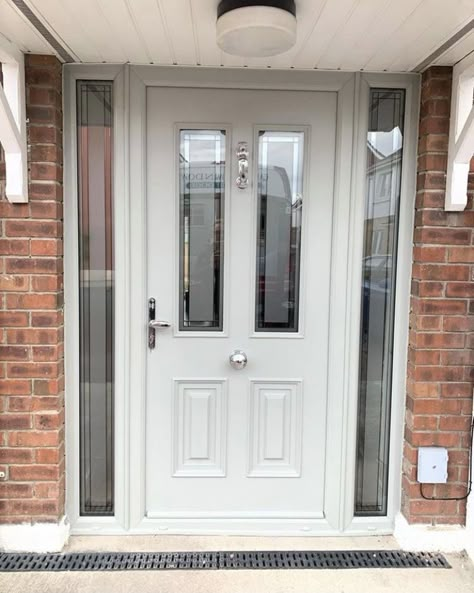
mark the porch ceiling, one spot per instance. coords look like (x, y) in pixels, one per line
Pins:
(374, 35)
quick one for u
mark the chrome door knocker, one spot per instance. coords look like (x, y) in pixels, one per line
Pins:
(242, 180)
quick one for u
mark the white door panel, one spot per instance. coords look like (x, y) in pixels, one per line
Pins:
(237, 443)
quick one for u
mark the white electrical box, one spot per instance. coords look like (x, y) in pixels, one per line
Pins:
(432, 465)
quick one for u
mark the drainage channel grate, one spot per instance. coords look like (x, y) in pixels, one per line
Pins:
(15, 562)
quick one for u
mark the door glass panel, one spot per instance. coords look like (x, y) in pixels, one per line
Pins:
(96, 297)
(280, 202)
(384, 170)
(201, 229)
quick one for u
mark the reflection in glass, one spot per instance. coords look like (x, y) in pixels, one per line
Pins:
(280, 203)
(201, 229)
(384, 166)
(96, 297)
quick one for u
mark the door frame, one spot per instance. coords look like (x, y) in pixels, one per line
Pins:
(130, 84)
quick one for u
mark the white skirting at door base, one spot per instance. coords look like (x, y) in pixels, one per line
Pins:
(38, 537)
(430, 538)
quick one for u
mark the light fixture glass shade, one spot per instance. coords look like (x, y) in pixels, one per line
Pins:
(256, 31)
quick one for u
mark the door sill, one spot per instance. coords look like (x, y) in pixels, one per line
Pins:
(236, 523)
(236, 527)
(194, 543)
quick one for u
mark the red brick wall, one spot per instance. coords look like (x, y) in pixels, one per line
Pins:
(31, 315)
(440, 357)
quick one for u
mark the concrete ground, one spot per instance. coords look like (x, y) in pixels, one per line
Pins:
(459, 579)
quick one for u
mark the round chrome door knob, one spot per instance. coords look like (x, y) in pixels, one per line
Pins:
(238, 360)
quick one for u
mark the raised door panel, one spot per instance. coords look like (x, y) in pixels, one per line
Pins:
(275, 429)
(199, 437)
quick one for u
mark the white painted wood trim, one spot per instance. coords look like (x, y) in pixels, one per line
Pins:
(35, 537)
(13, 122)
(461, 135)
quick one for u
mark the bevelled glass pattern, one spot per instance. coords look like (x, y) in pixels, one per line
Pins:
(279, 218)
(384, 168)
(96, 297)
(201, 229)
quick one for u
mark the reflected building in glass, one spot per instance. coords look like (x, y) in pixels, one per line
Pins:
(96, 297)
(384, 167)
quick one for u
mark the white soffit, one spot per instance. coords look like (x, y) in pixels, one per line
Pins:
(458, 51)
(373, 35)
(18, 30)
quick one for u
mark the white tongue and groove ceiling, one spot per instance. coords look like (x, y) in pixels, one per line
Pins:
(373, 35)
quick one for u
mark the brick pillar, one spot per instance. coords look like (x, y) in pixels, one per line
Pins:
(31, 315)
(440, 357)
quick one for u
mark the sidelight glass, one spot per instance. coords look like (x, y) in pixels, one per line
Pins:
(384, 170)
(201, 229)
(279, 221)
(96, 297)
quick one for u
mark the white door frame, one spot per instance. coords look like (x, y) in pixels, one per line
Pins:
(130, 83)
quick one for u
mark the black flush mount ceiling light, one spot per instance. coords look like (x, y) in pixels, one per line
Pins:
(256, 28)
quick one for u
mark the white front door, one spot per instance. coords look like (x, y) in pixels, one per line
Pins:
(245, 270)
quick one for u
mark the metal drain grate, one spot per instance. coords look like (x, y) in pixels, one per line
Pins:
(14, 562)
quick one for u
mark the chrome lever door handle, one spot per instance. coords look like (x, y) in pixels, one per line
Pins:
(157, 324)
(154, 324)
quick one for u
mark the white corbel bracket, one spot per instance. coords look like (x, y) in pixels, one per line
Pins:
(461, 135)
(13, 121)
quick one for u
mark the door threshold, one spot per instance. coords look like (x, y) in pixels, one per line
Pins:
(198, 543)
